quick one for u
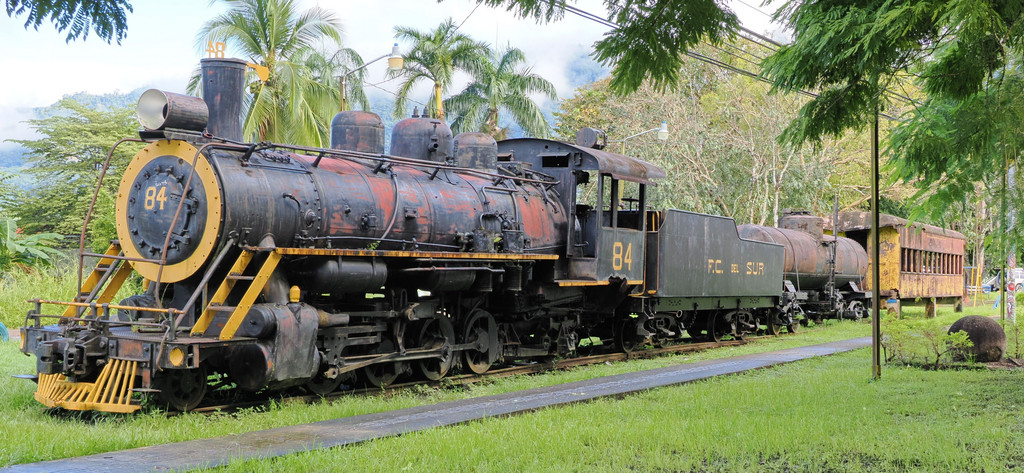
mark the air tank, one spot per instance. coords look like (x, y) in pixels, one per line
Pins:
(355, 130)
(428, 139)
(808, 252)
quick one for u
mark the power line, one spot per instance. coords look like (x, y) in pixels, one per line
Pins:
(737, 56)
(393, 93)
(769, 15)
(701, 57)
(464, 20)
(743, 50)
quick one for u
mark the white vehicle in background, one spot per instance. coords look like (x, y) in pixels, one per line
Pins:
(1015, 283)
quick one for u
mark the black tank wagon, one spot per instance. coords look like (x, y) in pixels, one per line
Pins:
(823, 272)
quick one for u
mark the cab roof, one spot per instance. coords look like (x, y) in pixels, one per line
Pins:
(549, 153)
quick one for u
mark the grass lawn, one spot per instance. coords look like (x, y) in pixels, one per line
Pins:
(814, 415)
(31, 433)
(780, 407)
(823, 414)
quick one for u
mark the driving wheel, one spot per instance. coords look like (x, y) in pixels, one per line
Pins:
(482, 332)
(436, 333)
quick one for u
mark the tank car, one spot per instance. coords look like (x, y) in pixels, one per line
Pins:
(269, 266)
(823, 272)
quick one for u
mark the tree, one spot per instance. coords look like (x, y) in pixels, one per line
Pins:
(649, 43)
(75, 140)
(721, 156)
(296, 102)
(107, 18)
(953, 143)
(501, 84)
(435, 56)
(850, 53)
(9, 193)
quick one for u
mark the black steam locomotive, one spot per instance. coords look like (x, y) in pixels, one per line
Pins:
(269, 266)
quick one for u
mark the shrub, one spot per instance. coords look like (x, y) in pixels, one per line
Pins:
(18, 249)
(920, 342)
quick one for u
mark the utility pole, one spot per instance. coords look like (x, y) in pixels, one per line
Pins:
(1004, 278)
(876, 312)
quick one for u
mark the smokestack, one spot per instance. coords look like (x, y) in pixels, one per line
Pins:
(223, 82)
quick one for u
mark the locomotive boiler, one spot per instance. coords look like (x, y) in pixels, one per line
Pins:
(268, 266)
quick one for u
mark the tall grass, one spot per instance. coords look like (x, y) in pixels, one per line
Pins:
(56, 282)
(18, 286)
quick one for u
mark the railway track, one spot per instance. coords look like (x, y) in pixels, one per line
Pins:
(465, 379)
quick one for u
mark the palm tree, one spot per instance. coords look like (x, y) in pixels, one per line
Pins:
(298, 99)
(435, 56)
(502, 85)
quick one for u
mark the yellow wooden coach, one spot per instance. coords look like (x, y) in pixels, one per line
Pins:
(920, 264)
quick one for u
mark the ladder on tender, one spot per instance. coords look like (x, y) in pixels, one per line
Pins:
(233, 283)
(106, 279)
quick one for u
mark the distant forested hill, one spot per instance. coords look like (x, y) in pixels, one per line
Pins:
(11, 156)
(103, 102)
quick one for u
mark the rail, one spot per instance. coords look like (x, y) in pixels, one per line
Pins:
(466, 379)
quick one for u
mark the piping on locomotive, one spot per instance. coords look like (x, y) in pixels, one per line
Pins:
(270, 266)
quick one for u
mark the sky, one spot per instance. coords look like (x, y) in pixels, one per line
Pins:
(160, 48)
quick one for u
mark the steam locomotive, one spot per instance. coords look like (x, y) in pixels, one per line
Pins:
(268, 266)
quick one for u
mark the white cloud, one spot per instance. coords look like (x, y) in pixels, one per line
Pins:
(160, 48)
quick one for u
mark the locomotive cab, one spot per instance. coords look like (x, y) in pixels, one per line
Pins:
(610, 242)
(606, 193)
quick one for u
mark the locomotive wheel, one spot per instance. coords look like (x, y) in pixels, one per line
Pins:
(321, 385)
(436, 333)
(482, 331)
(626, 338)
(181, 390)
(793, 327)
(381, 375)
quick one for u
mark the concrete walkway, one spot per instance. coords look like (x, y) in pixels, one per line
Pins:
(349, 430)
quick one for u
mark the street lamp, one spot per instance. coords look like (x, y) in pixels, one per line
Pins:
(395, 63)
(662, 135)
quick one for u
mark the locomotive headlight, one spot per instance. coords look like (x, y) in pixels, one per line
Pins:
(158, 110)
